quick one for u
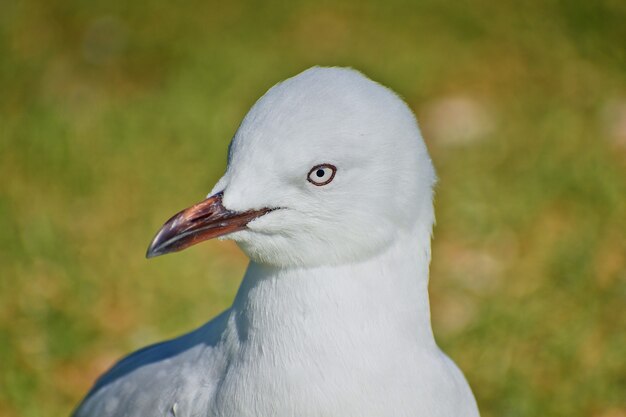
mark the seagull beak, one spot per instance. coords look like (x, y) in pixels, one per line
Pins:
(205, 220)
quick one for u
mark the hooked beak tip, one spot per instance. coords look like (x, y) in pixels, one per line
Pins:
(152, 253)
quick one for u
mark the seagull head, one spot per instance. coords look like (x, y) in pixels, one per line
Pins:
(328, 167)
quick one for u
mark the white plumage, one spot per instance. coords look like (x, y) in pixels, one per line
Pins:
(332, 317)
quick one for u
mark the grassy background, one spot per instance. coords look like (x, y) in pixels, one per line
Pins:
(115, 114)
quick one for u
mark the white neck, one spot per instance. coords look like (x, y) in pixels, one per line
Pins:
(378, 302)
(336, 340)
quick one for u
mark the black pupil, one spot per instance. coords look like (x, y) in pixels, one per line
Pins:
(319, 173)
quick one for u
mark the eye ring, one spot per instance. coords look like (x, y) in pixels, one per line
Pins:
(321, 174)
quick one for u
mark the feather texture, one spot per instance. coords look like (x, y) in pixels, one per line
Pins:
(332, 317)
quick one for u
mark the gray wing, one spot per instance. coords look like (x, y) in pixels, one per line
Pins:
(160, 379)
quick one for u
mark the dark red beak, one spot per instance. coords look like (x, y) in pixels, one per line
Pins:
(205, 220)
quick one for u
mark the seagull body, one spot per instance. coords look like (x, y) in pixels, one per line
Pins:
(332, 317)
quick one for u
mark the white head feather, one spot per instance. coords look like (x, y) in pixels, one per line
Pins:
(337, 116)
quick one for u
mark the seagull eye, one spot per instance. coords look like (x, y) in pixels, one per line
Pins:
(321, 174)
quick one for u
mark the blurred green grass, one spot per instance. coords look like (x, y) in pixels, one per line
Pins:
(114, 115)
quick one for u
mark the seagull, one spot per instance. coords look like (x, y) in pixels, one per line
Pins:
(329, 191)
